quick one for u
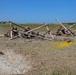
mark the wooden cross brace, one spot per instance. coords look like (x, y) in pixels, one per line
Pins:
(48, 31)
(66, 29)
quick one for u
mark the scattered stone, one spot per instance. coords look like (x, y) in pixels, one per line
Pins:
(1, 53)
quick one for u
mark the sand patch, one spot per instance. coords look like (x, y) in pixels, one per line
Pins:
(12, 63)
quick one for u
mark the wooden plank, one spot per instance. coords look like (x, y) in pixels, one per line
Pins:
(36, 28)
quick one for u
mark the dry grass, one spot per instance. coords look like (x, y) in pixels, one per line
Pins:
(45, 56)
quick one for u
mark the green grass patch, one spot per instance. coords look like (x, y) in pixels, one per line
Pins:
(64, 71)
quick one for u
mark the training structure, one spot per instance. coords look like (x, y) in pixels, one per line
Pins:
(30, 33)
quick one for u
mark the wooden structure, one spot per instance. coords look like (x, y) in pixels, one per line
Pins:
(30, 33)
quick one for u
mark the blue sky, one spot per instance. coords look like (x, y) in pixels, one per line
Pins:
(38, 11)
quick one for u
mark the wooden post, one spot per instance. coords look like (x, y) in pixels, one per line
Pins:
(49, 32)
(11, 33)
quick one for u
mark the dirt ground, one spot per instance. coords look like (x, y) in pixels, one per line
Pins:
(35, 57)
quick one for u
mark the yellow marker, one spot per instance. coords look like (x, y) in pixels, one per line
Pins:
(63, 44)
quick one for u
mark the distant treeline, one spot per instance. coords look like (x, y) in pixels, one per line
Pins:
(3, 22)
(70, 23)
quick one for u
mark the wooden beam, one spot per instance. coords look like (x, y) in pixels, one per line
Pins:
(49, 32)
(11, 33)
(49, 29)
(36, 28)
(71, 26)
